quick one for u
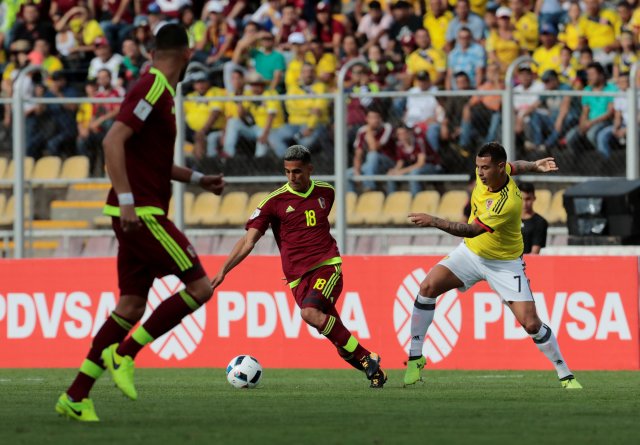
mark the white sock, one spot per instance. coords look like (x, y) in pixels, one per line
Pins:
(421, 318)
(548, 345)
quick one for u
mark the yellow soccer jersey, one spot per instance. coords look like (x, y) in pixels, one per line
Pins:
(499, 213)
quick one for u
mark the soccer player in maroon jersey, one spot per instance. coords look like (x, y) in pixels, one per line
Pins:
(298, 213)
(139, 156)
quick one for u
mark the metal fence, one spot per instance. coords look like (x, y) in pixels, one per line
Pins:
(452, 123)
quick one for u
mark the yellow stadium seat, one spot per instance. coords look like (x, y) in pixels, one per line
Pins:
(231, 209)
(47, 167)
(557, 213)
(395, 210)
(204, 207)
(426, 201)
(3, 167)
(7, 216)
(368, 208)
(254, 202)
(452, 205)
(543, 202)
(75, 167)
(11, 170)
(350, 206)
(188, 205)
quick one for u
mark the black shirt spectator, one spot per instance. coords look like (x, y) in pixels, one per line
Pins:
(31, 28)
(534, 226)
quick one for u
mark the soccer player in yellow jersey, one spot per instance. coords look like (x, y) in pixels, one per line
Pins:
(491, 251)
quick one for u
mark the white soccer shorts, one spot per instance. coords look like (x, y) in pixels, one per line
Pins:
(507, 278)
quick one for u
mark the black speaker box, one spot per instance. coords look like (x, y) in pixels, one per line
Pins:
(604, 208)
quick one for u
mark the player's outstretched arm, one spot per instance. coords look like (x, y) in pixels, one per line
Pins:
(211, 183)
(240, 251)
(454, 228)
(544, 165)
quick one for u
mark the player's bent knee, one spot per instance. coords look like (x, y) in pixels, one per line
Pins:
(532, 326)
(427, 289)
(312, 316)
(200, 290)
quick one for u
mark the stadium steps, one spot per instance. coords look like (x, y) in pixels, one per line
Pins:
(205, 245)
(369, 245)
(49, 224)
(41, 248)
(76, 210)
(93, 191)
(100, 246)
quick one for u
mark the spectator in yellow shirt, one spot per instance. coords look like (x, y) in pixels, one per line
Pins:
(573, 35)
(627, 56)
(425, 58)
(599, 27)
(308, 118)
(298, 45)
(325, 63)
(547, 55)
(436, 20)
(502, 44)
(261, 122)
(567, 70)
(525, 24)
(205, 120)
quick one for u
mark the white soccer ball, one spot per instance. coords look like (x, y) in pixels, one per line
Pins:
(244, 371)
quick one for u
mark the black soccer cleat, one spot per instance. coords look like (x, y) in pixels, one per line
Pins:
(371, 364)
(379, 379)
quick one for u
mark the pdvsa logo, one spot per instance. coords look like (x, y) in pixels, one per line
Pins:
(445, 329)
(181, 341)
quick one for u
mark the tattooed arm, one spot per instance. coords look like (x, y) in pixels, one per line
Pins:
(454, 228)
(540, 166)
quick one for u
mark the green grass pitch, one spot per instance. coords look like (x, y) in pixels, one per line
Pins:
(329, 407)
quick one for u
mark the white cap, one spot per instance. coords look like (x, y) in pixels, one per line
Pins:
(503, 11)
(215, 6)
(296, 38)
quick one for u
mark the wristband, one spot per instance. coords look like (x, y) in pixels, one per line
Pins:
(196, 177)
(125, 199)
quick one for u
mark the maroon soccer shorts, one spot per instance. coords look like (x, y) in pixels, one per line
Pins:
(157, 249)
(319, 288)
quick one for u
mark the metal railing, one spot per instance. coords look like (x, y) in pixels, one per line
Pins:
(339, 177)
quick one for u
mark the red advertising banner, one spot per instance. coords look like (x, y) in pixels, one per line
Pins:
(51, 309)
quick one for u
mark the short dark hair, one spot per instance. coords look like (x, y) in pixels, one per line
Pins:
(494, 150)
(527, 187)
(598, 67)
(298, 153)
(172, 36)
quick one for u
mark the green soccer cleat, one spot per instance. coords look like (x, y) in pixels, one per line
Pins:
(379, 379)
(370, 364)
(82, 411)
(412, 374)
(121, 370)
(570, 382)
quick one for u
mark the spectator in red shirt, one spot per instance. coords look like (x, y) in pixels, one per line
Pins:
(291, 23)
(413, 157)
(329, 30)
(101, 120)
(374, 150)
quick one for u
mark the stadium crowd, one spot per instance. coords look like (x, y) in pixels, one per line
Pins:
(98, 48)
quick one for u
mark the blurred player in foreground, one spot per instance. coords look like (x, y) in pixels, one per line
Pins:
(298, 213)
(491, 251)
(139, 156)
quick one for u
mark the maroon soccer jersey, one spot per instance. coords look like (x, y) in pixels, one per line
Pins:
(148, 109)
(300, 224)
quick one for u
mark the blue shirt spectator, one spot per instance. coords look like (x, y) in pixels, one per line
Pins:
(468, 57)
(465, 19)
